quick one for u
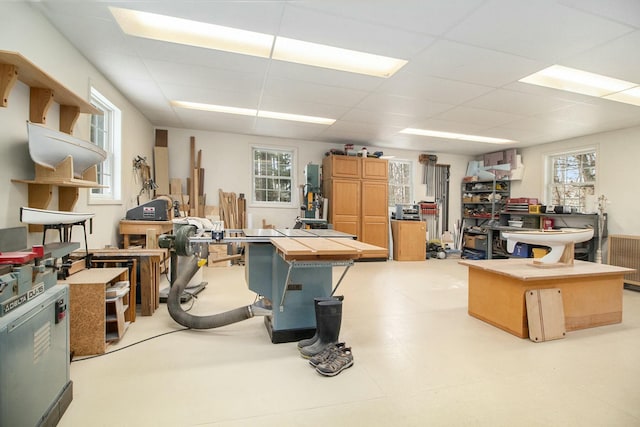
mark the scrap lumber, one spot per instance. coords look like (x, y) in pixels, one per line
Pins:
(161, 162)
(242, 211)
(191, 181)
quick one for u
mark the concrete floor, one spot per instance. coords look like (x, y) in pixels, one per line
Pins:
(420, 360)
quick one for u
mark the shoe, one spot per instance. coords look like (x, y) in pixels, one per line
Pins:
(341, 360)
(329, 320)
(326, 355)
(308, 341)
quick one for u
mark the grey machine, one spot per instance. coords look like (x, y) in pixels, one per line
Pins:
(35, 387)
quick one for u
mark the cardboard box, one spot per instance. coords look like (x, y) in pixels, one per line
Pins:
(217, 251)
(475, 242)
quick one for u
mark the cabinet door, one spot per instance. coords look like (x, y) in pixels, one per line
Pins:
(344, 205)
(375, 216)
(409, 240)
(341, 167)
(375, 169)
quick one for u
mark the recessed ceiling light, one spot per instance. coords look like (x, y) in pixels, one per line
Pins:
(458, 136)
(586, 83)
(192, 33)
(200, 34)
(336, 58)
(252, 112)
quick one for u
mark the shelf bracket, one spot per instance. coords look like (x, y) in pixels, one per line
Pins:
(39, 197)
(68, 116)
(39, 102)
(8, 78)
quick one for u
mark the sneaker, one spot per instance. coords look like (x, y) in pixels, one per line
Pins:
(326, 355)
(343, 359)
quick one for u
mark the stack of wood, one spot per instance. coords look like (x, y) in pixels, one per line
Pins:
(233, 210)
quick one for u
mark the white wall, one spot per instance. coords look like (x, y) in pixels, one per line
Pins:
(618, 164)
(24, 30)
(227, 162)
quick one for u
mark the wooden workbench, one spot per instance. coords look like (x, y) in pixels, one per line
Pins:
(135, 227)
(149, 261)
(591, 293)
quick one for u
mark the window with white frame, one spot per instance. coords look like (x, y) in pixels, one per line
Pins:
(273, 176)
(400, 182)
(571, 176)
(106, 134)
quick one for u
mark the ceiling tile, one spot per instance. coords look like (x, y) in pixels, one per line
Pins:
(542, 30)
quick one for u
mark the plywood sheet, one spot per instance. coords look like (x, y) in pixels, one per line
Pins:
(364, 248)
(545, 314)
(523, 269)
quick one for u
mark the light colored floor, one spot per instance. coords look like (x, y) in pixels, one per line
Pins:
(420, 360)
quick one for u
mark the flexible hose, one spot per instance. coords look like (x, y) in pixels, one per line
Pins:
(199, 322)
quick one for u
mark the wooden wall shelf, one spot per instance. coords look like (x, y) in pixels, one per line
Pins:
(44, 90)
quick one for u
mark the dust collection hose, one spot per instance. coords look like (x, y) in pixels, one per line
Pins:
(191, 267)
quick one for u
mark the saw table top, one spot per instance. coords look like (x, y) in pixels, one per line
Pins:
(318, 248)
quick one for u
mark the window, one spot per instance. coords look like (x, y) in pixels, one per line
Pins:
(400, 182)
(571, 176)
(106, 134)
(273, 176)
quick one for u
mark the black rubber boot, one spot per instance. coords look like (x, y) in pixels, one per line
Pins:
(314, 338)
(328, 327)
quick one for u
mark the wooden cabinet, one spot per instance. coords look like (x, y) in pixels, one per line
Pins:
(409, 240)
(357, 192)
(91, 315)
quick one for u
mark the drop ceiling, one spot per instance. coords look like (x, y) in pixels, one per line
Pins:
(465, 58)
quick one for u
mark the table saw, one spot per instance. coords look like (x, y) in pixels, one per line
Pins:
(287, 268)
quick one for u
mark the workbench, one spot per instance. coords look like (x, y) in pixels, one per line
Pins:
(591, 293)
(150, 267)
(135, 227)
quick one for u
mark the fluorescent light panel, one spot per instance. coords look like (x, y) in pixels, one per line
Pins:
(215, 108)
(324, 56)
(192, 33)
(457, 136)
(630, 96)
(200, 34)
(252, 112)
(586, 83)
